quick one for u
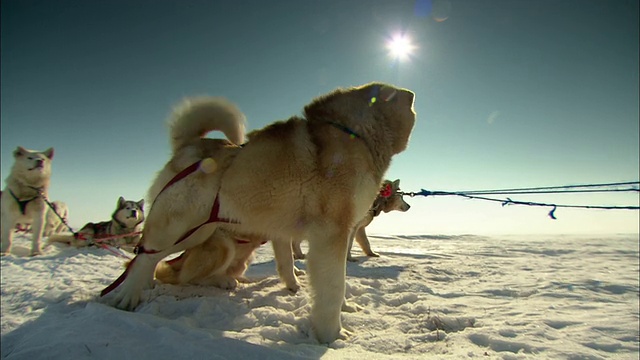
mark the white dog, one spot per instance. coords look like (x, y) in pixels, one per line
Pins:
(23, 198)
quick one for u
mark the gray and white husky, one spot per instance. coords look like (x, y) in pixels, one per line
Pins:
(23, 198)
(126, 219)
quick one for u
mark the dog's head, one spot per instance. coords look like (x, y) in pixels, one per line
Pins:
(379, 112)
(130, 213)
(390, 198)
(32, 166)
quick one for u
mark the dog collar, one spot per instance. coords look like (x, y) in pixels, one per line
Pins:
(346, 129)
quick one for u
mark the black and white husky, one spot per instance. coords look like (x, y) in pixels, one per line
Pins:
(122, 230)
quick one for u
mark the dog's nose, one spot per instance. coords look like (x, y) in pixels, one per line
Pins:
(134, 213)
(39, 162)
(409, 95)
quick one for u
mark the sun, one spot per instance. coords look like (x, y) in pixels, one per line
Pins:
(400, 47)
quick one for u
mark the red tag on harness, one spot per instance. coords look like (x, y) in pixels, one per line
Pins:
(386, 191)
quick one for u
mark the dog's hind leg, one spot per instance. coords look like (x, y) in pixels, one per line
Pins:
(297, 251)
(37, 227)
(327, 271)
(363, 241)
(284, 263)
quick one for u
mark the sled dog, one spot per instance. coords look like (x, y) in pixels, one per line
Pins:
(126, 219)
(23, 198)
(389, 199)
(219, 261)
(312, 177)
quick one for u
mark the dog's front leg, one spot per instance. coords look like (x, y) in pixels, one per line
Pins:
(140, 277)
(327, 259)
(7, 224)
(37, 227)
(284, 263)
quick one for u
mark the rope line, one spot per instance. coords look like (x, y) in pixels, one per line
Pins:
(480, 195)
(503, 191)
(99, 241)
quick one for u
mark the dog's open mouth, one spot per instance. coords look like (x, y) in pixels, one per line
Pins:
(38, 165)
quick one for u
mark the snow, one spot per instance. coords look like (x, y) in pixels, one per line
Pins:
(499, 297)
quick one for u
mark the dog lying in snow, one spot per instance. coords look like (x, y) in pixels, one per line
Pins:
(126, 219)
(219, 261)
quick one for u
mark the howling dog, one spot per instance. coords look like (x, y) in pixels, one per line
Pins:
(312, 177)
(122, 230)
(23, 198)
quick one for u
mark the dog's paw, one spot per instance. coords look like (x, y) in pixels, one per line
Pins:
(351, 259)
(293, 288)
(226, 283)
(298, 272)
(344, 334)
(373, 254)
(36, 252)
(327, 336)
(350, 307)
(127, 302)
(223, 282)
(299, 256)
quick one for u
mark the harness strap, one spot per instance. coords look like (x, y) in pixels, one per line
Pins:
(139, 249)
(119, 280)
(213, 217)
(22, 203)
(245, 242)
(181, 175)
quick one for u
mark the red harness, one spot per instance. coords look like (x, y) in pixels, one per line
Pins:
(139, 249)
(245, 242)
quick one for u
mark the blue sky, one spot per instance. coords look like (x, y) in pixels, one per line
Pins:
(510, 93)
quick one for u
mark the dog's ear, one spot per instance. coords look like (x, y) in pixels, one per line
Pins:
(20, 151)
(396, 184)
(141, 204)
(121, 201)
(48, 153)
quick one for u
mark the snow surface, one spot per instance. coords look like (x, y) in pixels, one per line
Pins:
(518, 297)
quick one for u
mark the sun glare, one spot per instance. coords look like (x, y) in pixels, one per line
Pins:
(400, 47)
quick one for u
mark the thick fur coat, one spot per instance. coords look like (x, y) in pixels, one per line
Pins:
(311, 177)
(23, 198)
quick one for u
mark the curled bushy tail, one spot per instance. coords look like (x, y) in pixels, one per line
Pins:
(195, 117)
